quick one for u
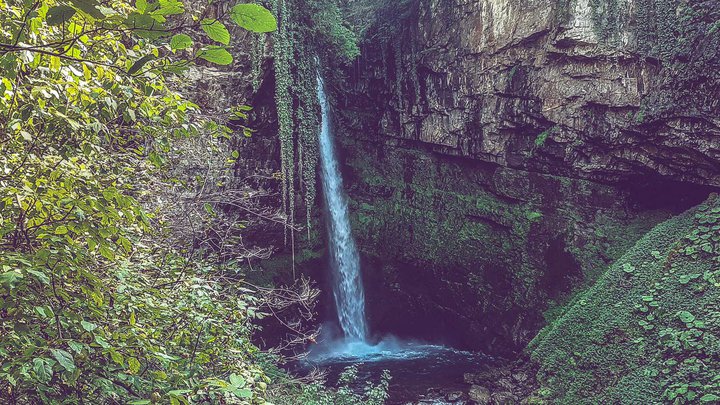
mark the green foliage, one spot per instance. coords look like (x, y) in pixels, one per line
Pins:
(533, 216)
(282, 53)
(543, 136)
(215, 30)
(331, 26)
(647, 330)
(180, 42)
(344, 394)
(216, 54)
(95, 303)
(307, 125)
(253, 17)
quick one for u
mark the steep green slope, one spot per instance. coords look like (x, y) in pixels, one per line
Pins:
(649, 330)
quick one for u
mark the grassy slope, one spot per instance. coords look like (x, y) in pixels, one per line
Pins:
(649, 330)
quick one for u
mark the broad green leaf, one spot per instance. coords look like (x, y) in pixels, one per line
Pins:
(61, 230)
(90, 7)
(117, 357)
(140, 63)
(140, 402)
(180, 41)
(215, 54)
(169, 7)
(253, 17)
(39, 275)
(686, 316)
(42, 312)
(166, 356)
(88, 326)
(10, 277)
(237, 381)
(215, 30)
(101, 341)
(145, 26)
(64, 358)
(43, 371)
(125, 243)
(59, 14)
(106, 252)
(77, 347)
(243, 393)
(133, 365)
(141, 5)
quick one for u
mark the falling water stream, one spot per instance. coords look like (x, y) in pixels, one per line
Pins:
(417, 368)
(347, 282)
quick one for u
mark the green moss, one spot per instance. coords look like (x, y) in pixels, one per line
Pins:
(647, 331)
(482, 229)
(606, 19)
(611, 237)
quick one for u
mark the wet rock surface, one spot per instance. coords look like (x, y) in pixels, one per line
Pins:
(597, 90)
(507, 384)
(501, 153)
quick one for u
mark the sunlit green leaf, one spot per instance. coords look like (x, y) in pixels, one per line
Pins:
(217, 55)
(215, 30)
(64, 358)
(43, 371)
(145, 26)
(253, 17)
(181, 41)
(88, 326)
(90, 7)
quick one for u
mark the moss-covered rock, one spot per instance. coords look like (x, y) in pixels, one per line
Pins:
(648, 331)
(472, 252)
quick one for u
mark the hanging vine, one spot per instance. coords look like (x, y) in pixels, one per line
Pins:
(258, 54)
(301, 24)
(307, 127)
(282, 50)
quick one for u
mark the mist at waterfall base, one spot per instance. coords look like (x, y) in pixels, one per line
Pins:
(420, 371)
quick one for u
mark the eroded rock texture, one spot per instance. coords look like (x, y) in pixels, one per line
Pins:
(500, 153)
(598, 89)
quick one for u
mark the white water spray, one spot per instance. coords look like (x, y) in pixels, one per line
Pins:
(345, 262)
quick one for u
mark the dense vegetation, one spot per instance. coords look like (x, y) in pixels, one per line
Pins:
(130, 238)
(647, 331)
(104, 296)
(96, 303)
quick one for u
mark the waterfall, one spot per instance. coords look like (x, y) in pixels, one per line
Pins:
(345, 262)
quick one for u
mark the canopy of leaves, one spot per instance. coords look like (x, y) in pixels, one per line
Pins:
(94, 305)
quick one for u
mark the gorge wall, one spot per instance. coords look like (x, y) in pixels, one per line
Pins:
(514, 166)
(501, 153)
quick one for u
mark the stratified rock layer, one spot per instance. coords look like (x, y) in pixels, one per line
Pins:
(604, 90)
(500, 153)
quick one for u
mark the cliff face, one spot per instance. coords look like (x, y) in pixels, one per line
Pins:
(500, 153)
(605, 90)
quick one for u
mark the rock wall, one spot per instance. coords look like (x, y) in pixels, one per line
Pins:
(606, 90)
(501, 153)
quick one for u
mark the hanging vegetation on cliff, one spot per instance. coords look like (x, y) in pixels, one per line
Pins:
(96, 302)
(309, 30)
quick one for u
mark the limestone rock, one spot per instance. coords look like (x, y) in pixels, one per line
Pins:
(480, 394)
(587, 89)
